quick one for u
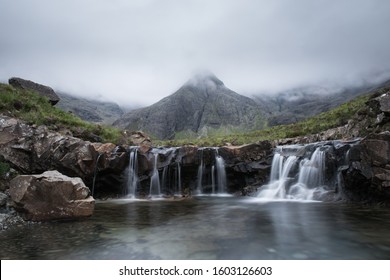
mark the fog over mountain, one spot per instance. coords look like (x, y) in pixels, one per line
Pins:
(203, 106)
(137, 52)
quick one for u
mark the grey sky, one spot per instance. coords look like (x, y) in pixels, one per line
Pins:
(136, 52)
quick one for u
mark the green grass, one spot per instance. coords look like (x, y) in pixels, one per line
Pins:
(35, 109)
(336, 117)
(4, 168)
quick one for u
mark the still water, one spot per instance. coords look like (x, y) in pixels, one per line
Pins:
(208, 228)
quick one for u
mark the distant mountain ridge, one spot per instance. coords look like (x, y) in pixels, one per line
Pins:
(301, 103)
(88, 109)
(203, 106)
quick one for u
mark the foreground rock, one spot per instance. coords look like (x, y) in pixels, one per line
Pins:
(367, 177)
(33, 150)
(41, 89)
(51, 196)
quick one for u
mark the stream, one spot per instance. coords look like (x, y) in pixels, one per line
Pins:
(208, 227)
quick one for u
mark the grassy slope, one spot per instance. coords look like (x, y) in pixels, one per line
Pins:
(336, 117)
(35, 109)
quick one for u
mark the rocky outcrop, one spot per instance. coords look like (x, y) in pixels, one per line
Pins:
(367, 176)
(51, 196)
(248, 165)
(45, 91)
(138, 138)
(244, 165)
(33, 150)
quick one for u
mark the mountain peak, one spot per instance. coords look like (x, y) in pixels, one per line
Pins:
(205, 79)
(202, 106)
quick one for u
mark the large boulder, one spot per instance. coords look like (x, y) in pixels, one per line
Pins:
(33, 150)
(51, 196)
(41, 89)
(367, 176)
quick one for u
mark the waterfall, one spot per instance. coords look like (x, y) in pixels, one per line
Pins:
(155, 188)
(199, 186)
(179, 187)
(216, 172)
(293, 175)
(165, 178)
(95, 174)
(221, 174)
(213, 179)
(132, 180)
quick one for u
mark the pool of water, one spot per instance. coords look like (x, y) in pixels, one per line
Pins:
(208, 227)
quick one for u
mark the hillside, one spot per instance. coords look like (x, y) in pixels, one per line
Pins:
(298, 104)
(358, 117)
(36, 109)
(203, 106)
(88, 109)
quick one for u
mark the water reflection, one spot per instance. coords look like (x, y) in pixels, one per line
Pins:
(208, 228)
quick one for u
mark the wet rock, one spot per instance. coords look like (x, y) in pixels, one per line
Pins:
(377, 147)
(51, 196)
(138, 138)
(367, 176)
(8, 220)
(3, 199)
(33, 150)
(45, 91)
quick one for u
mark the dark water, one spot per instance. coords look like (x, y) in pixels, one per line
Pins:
(208, 228)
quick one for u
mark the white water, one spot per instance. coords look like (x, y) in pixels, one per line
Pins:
(132, 180)
(287, 168)
(216, 172)
(221, 174)
(155, 189)
(164, 182)
(213, 179)
(201, 168)
(179, 187)
(95, 174)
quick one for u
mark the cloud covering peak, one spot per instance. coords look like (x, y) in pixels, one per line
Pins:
(140, 51)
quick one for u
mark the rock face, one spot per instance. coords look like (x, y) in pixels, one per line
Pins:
(202, 106)
(367, 176)
(90, 110)
(190, 169)
(33, 150)
(51, 196)
(41, 89)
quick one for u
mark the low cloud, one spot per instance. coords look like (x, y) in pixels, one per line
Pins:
(137, 52)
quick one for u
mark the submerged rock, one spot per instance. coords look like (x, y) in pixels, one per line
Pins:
(51, 196)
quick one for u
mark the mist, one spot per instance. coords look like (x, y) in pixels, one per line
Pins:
(137, 52)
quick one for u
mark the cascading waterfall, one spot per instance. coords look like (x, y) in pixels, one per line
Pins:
(287, 166)
(165, 180)
(201, 168)
(213, 179)
(179, 187)
(155, 188)
(216, 172)
(95, 174)
(221, 173)
(132, 181)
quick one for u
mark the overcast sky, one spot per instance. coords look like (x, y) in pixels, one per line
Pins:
(137, 52)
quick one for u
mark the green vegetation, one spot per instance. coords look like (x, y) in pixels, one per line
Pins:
(4, 168)
(336, 117)
(35, 109)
